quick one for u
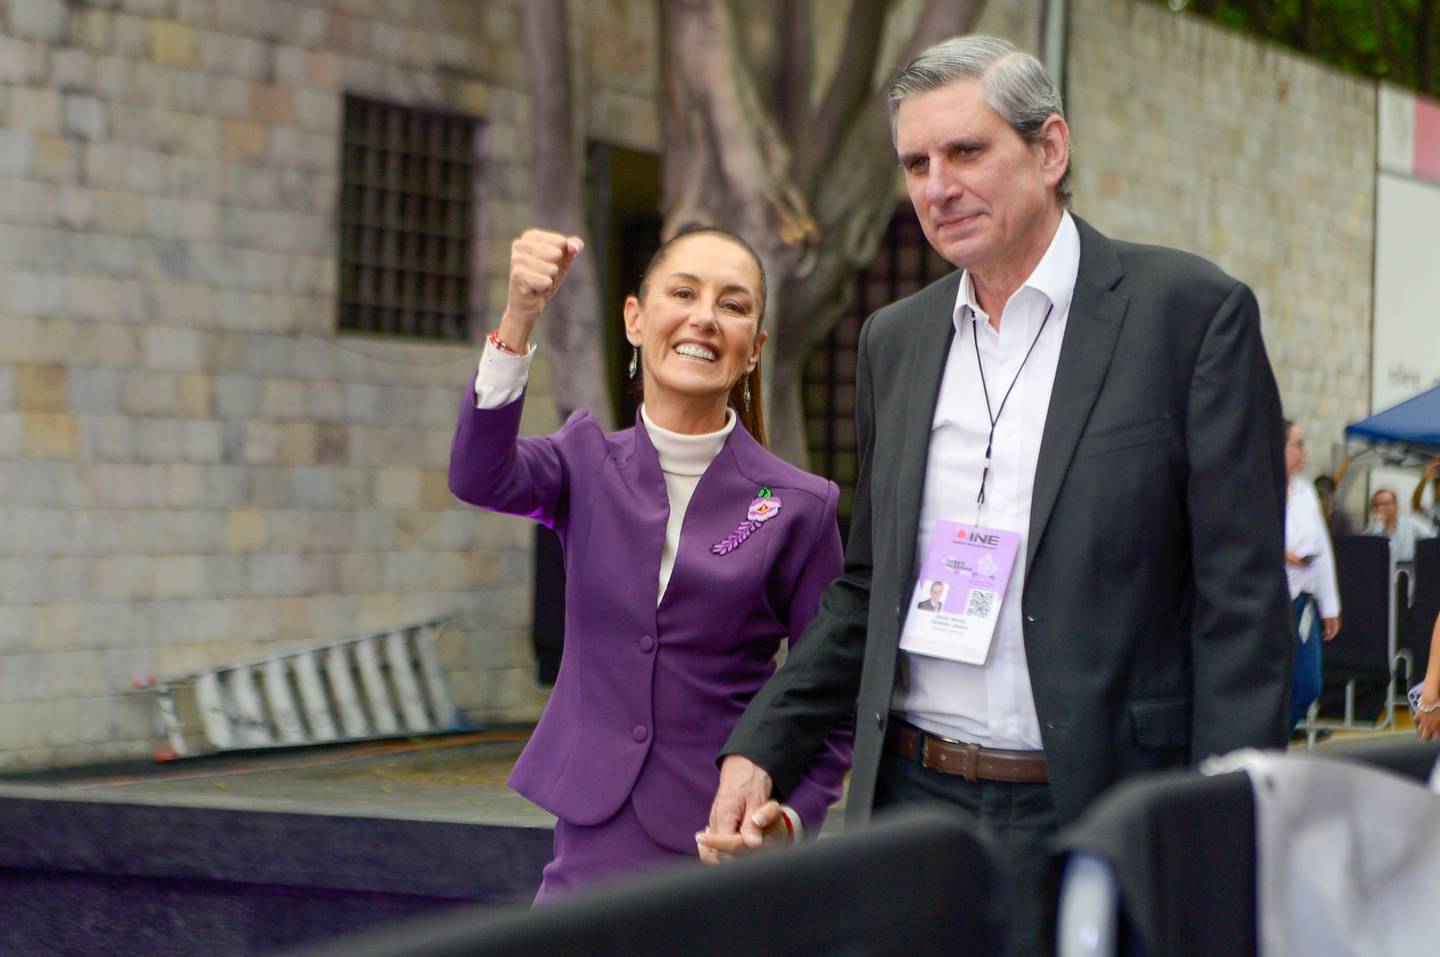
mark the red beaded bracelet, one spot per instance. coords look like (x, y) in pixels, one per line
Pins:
(499, 343)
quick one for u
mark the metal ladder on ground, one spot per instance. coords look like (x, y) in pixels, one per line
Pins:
(384, 684)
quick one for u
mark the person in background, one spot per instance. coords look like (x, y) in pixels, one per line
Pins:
(1403, 531)
(1310, 572)
(691, 553)
(1431, 475)
(1337, 521)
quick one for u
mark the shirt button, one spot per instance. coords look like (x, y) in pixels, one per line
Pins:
(640, 732)
(647, 644)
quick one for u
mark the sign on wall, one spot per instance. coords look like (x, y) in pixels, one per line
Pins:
(1406, 353)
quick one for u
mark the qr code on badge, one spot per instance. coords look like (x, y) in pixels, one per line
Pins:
(981, 605)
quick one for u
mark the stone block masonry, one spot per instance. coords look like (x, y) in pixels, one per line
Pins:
(194, 465)
(1193, 136)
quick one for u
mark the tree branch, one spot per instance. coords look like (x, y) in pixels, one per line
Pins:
(752, 158)
(571, 329)
(942, 19)
(857, 201)
(851, 86)
(795, 22)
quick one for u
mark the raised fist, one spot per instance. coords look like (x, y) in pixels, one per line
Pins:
(539, 261)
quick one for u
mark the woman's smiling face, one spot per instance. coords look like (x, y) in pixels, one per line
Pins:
(697, 324)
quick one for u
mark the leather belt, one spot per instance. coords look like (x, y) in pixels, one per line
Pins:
(965, 759)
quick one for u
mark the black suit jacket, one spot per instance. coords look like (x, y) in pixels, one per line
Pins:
(1156, 615)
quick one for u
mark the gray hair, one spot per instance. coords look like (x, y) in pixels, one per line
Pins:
(1016, 85)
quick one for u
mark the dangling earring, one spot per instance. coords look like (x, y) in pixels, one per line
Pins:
(634, 361)
(745, 393)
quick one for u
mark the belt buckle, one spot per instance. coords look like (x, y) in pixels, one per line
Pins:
(968, 753)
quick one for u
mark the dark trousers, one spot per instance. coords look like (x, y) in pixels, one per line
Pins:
(1015, 821)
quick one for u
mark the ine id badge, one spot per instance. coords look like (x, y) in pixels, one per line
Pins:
(957, 599)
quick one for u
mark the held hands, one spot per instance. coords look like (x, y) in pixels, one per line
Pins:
(1427, 725)
(539, 261)
(743, 818)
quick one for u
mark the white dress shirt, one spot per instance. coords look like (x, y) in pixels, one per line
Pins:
(991, 704)
(1408, 530)
(1307, 536)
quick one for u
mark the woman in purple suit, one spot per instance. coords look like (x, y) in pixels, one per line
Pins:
(691, 552)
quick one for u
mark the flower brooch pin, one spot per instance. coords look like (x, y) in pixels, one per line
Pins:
(763, 507)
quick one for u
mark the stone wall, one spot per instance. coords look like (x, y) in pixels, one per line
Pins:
(1190, 135)
(194, 466)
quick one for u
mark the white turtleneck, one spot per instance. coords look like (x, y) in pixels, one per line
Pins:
(683, 458)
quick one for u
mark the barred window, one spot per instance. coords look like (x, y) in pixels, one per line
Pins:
(407, 220)
(904, 264)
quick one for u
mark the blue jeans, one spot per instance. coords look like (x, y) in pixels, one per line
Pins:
(1306, 686)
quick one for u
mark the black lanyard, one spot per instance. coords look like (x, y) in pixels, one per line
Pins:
(994, 417)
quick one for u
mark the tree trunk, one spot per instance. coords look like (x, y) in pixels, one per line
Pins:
(810, 185)
(851, 202)
(570, 328)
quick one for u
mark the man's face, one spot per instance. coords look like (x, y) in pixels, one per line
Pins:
(936, 590)
(1382, 504)
(980, 191)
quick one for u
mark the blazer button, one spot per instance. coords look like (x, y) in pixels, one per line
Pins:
(1030, 618)
(880, 720)
(647, 644)
(640, 732)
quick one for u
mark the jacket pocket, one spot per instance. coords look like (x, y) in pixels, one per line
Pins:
(1106, 441)
(1162, 723)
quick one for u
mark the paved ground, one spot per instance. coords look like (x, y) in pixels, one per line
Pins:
(459, 777)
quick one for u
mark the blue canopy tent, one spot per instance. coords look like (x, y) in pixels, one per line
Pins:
(1405, 435)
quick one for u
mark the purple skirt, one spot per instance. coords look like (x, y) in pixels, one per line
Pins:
(587, 856)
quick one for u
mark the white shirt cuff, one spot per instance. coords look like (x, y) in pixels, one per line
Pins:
(501, 377)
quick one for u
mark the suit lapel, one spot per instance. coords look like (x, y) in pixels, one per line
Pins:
(929, 348)
(1096, 315)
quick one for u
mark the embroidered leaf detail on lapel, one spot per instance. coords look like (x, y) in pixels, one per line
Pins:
(763, 507)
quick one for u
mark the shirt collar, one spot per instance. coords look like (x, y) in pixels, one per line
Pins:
(1053, 276)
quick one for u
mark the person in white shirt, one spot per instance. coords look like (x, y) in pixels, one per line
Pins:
(1431, 476)
(1403, 531)
(1310, 571)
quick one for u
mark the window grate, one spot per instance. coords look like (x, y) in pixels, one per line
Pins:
(904, 264)
(407, 213)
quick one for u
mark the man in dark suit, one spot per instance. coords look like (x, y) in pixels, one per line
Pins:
(1111, 407)
(936, 600)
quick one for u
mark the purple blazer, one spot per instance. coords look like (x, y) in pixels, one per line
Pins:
(646, 695)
